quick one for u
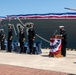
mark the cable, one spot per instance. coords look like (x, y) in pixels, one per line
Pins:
(36, 34)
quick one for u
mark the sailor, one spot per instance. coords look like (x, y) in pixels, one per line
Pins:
(2, 38)
(22, 39)
(31, 38)
(10, 37)
(64, 40)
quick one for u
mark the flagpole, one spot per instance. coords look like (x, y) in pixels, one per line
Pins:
(70, 9)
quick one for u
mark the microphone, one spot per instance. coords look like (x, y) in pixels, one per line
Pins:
(55, 32)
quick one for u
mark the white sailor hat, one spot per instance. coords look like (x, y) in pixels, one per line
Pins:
(21, 27)
(31, 23)
(2, 29)
(10, 24)
(61, 26)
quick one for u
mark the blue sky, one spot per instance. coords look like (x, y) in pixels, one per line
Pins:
(16, 7)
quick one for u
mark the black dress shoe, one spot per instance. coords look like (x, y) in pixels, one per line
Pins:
(64, 55)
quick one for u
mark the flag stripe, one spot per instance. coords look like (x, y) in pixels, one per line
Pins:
(68, 15)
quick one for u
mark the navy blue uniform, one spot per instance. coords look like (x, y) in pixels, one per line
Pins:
(31, 37)
(21, 41)
(10, 36)
(2, 41)
(64, 42)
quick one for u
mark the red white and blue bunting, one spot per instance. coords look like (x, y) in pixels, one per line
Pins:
(44, 16)
(55, 46)
(68, 15)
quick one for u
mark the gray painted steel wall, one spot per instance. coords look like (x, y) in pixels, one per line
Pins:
(46, 28)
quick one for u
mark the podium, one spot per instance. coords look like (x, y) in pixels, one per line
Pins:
(55, 46)
(59, 37)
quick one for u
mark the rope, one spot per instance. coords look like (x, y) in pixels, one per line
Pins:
(43, 38)
(21, 22)
(36, 34)
(14, 30)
